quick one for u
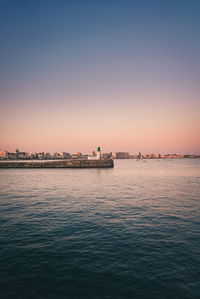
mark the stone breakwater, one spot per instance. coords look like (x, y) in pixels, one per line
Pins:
(58, 164)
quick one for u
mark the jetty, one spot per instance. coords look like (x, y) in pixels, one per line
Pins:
(68, 163)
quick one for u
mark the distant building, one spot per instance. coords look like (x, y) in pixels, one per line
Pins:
(47, 156)
(3, 154)
(121, 155)
(93, 153)
(12, 156)
(65, 155)
(138, 155)
(56, 156)
(33, 156)
(92, 156)
(148, 156)
(157, 156)
(107, 155)
(41, 156)
(20, 155)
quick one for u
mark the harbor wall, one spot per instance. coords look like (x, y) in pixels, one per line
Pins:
(58, 164)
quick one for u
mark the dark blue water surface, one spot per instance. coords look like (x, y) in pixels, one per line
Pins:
(128, 232)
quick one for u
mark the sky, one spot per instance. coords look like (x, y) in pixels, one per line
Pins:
(121, 74)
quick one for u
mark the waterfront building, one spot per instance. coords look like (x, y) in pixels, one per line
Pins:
(93, 153)
(138, 155)
(3, 154)
(47, 156)
(18, 155)
(157, 156)
(41, 156)
(22, 155)
(92, 156)
(107, 155)
(12, 156)
(65, 155)
(121, 155)
(56, 156)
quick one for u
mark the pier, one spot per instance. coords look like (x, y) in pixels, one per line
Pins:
(70, 163)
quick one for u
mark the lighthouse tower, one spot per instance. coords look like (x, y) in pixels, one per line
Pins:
(98, 153)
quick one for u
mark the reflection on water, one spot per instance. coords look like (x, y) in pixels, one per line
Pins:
(131, 231)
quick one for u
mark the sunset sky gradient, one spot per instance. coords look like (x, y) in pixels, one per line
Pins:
(121, 74)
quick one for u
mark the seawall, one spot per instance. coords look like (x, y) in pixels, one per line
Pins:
(58, 164)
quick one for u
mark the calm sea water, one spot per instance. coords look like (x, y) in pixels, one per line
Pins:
(128, 232)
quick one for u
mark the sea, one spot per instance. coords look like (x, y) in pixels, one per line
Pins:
(132, 231)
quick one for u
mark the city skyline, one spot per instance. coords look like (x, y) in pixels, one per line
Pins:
(113, 154)
(121, 74)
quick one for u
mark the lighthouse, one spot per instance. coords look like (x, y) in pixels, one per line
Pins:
(98, 153)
